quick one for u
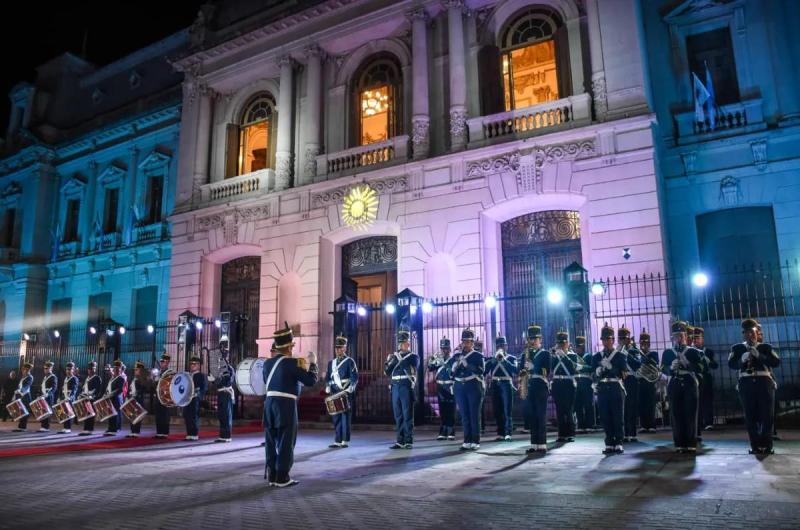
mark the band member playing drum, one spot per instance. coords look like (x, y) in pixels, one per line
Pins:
(283, 376)
(115, 389)
(162, 412)
(468, 370)
(69, 391)
(93, 390)
(755, 361)
(440, 365)
(23, 392)
(342, 375)
(533, 366)
(682, 363)
(141, 381)
(49, 390)
(502, 368)
(647, 389)
(401, 367)
(225, 397)
(631, 382)
(584, 394)
(191, 412)
(610, 366)
(563, 366)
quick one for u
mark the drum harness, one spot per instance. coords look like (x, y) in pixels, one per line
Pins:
(44, 384)
(337, 378)
(447, 384)
(566, 374)
(506, 377)
(20, 385)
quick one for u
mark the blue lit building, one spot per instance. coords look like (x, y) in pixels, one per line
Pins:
(87, 179)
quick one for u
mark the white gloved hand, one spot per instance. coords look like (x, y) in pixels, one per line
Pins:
(746, 356)
(676, 364)
(311, 358)
(328, 389)
(754, 353)
(211, 379)
(599, 371)
(605, 363)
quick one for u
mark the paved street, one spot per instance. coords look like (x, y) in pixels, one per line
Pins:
(97, 483)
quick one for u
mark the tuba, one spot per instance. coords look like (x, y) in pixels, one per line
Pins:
(649, 371)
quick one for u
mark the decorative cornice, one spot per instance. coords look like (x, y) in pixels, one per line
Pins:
(489, 166)
(239, 215)
(570, 151)
(27, 157)
(382, 186)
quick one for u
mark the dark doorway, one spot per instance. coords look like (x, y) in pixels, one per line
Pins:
(240, 295)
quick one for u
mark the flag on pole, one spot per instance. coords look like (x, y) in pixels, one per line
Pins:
(701, 96)
(712, 98)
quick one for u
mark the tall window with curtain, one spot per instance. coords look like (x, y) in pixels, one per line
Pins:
(377, 92)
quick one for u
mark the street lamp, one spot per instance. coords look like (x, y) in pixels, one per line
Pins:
(390, 309)
(361, 310)
(427, 307)
(700, 279)
(598, 289)
(150, 329)
(555, 296)
(490, 301)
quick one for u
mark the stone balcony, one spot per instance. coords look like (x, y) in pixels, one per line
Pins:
(237, 187)
(151, 232)
(731, 119)
(68, 249)
(107, 241)
(378, 154)
(529, 121)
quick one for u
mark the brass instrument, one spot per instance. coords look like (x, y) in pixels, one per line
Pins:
(649, 371)
(524, 376)
(302, 364)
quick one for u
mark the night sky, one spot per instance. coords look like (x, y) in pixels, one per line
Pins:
(32, 32)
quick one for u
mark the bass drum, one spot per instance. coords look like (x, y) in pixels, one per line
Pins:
(176, 389)
(250, 377)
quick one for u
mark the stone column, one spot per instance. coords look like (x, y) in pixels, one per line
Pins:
(203, 142)
(87, 231)
(131, 194)
(596, 59)
(313, 111)
(420, 121)
(458, 74)
(283, 150)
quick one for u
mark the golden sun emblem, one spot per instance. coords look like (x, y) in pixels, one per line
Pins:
(360, 207)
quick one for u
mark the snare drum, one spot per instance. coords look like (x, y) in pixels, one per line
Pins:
(133, 411)
(63, 411)
(176, 389)
(83, 409)
(17, 410)
(250, 377)
(40, 409)
(338, 403)
(105, 408)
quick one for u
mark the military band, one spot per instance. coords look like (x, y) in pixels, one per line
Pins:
(584, 393)
(564, 369)
(441, 365)
(92, 389)
(682, 364)
(225, 397)
(191, 412)
(23, 393)
(468, 369)
(647, 389)
(136, 390)
(705, 416)
(401, 367)
(631, 382)
(502, 368)
(341, 376)
(49, 390)
(115, 389)
(69, 392)
(161, 411)
(610, 367)
(535, 387)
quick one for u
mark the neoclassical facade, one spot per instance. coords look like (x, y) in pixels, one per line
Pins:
(87, 180)
(489, 130)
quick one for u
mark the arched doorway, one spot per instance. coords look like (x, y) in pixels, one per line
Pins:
(240, 288)
(536, 249)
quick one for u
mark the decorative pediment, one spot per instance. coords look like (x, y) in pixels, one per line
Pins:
(112, 174)
(155, 160)
(73, 186)
(690, 10)
(13, 188)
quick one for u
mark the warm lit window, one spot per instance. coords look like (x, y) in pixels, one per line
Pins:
(530, 70)
(255, 135)
(377, 90)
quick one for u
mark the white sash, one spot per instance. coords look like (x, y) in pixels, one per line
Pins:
(272, 372)
(44, 383)
(337, 378)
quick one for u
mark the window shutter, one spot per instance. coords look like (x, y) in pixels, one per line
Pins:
(490, 75)
(232, 151)
(563, 72)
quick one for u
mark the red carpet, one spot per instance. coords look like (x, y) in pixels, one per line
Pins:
(118, 442)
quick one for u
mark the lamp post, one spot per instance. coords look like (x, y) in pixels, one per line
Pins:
(345, 320)
(187, 334)
(409, 315)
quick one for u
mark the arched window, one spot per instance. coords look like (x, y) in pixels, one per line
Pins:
(377, 91)
(251, 142)
(532, 47)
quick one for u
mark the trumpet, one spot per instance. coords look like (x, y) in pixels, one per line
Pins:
(500, 355)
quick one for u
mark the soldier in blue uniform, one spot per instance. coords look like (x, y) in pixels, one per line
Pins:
(49, 389)
(136, 391)
(283, 375)
(191, 412)
(631, 382)
(69, 391)
(401, 367)
(162, 412)
(23, 392)
(342, 376)
(533, 369)
(610, 366)
(564, 368)
(647, 390)
(584, 393)
(92, 389)
(705, 416)
(116, 390)
(682, 363)
(225, 397)
(440, 364)
(502, 368)
(468, 369)
(755, 361)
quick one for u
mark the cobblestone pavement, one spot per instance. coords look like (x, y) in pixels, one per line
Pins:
(176, 484)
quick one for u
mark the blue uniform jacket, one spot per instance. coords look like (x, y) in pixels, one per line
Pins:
(50, 388)
(402, 367)
(585, 367)
(634, 360)
(226, 376)
(619, 364)
(767, 358)
(93, 387)
(115, 389)
(470, 365)
(200, 385)
(288, 375)
(347, 371)
(564, 365)
(24, 387)
(71, 390)
(692, 356)
(505, 368)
